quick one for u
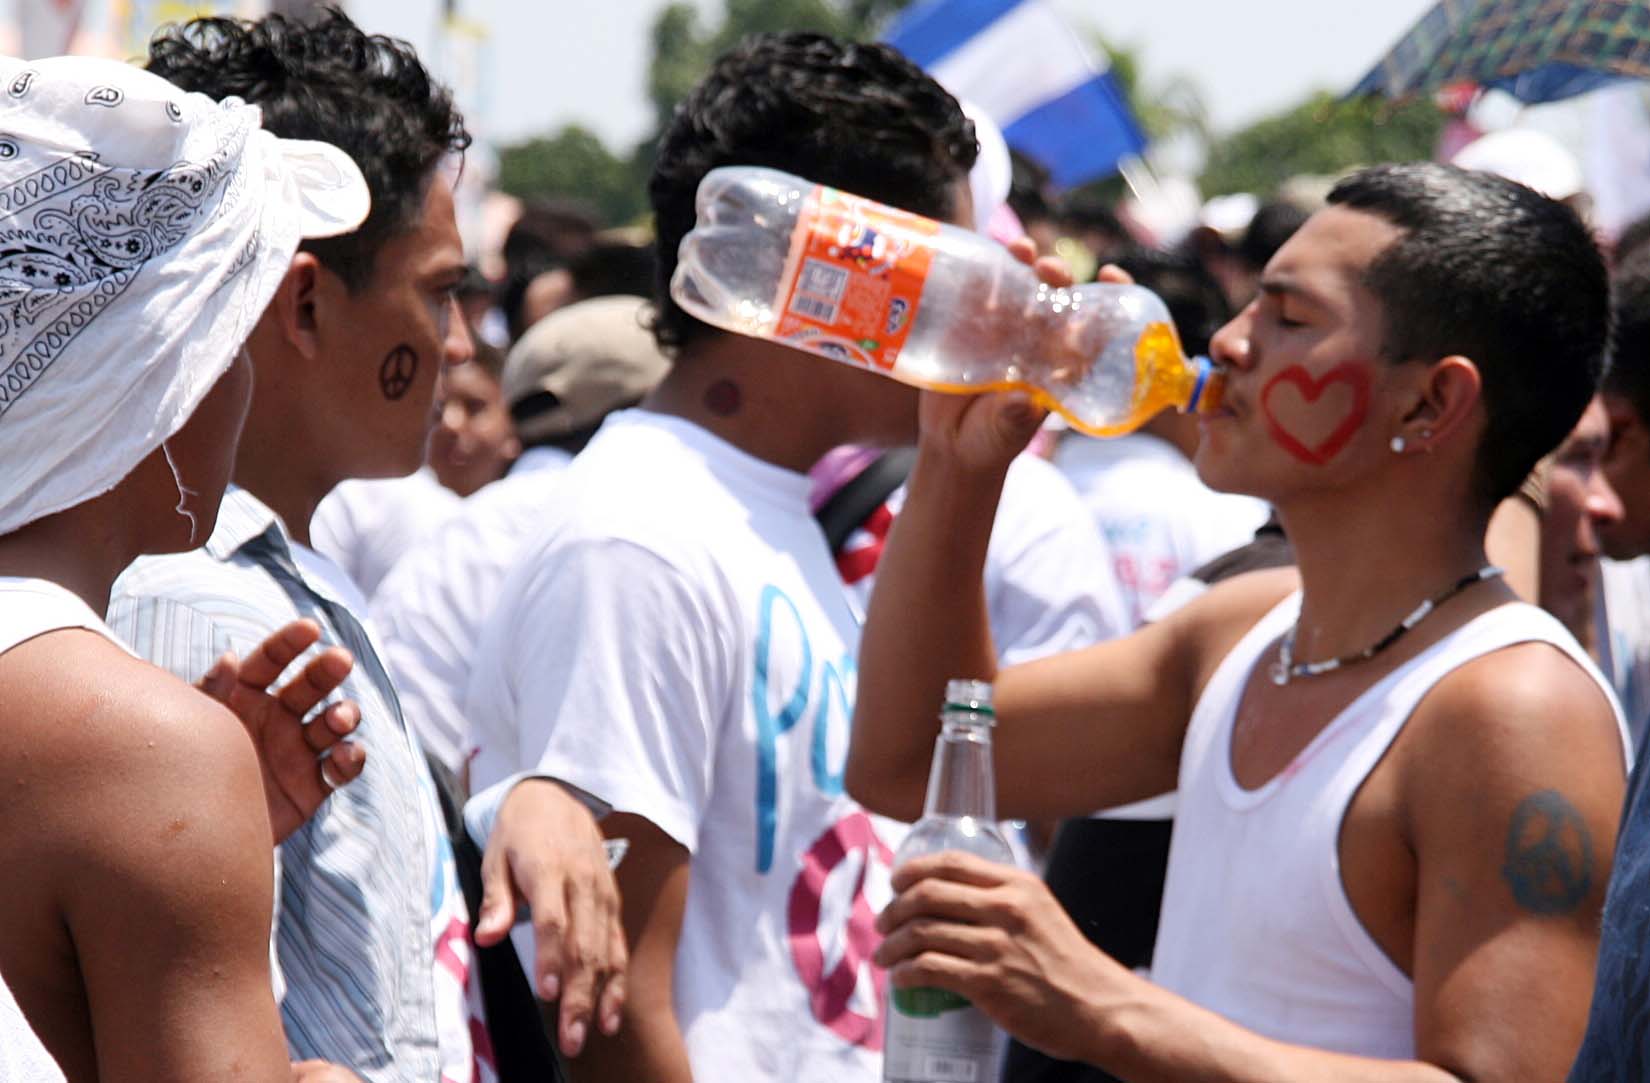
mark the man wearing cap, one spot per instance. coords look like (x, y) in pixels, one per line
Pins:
(568, 372)
(146, 228)
(372, 938)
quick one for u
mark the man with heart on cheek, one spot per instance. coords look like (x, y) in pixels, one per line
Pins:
(1399, 785)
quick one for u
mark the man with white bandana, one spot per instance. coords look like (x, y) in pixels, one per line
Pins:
(145, 229)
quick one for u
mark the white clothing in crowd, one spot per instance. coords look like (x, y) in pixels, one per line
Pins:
(365, 527)
(431, 608)
(1624, 637)
(1160, 520)
(677, 641)
(1049, 584)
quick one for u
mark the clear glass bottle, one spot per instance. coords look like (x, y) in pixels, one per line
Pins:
(777, 257)
(935, 1036)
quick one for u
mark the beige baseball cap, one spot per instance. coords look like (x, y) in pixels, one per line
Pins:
(579, 364)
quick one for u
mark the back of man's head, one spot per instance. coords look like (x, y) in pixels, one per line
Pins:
(1495, 272)
(1629, 374)
(857, 117)
(1272, 225)
(1190, 293)
(328, 80)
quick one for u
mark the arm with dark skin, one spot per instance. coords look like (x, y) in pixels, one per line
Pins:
(545, 852)
(927, 623)
(922, 630)
(1511, 818)
(653, 882)
(139, 944)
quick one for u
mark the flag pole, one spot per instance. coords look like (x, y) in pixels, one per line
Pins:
(1137, 175)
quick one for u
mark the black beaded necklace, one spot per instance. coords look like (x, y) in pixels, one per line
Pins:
(1286, 669)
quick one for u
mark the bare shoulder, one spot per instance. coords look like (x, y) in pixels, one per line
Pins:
(96, 739)
(1528, 706)
(1517, 757)
(1211, 624)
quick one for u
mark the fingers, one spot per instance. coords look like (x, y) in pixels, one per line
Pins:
(275, 653)
(964, 868)
(219, 681)
(328, 729)
(936, 970)
(549, 926)
(1114, 274)
(589, 961)
(499, 900)
(1053, 271)
(1023, 249)
(942, 899)
(611, 1008)
(547, 851)
(1018, 418)
(320, 676)
(973, 942)
(342, 764)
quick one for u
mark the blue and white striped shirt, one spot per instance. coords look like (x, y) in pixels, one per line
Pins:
(353, 933)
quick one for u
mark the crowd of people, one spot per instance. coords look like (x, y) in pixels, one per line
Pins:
(407, 675)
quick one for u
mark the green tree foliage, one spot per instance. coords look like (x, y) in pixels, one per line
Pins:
(1323, 135)
(573, 162)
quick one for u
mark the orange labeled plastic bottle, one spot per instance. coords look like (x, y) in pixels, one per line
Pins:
(774, 256)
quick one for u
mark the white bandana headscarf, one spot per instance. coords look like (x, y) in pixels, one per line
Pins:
(142, 232)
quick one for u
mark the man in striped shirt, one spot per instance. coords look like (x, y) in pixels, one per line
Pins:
(372, 934)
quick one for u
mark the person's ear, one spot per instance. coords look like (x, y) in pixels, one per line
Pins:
(294, 304)
(1446, 394)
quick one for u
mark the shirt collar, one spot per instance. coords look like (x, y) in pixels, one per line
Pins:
(242, 517)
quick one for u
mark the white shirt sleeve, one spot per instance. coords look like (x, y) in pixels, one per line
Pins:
(1049, 574)
(618, 669)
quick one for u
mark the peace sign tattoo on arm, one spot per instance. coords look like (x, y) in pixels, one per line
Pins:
(1549, 861)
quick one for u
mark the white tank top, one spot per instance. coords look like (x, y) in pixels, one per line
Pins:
(30, 608)
(1256, 924)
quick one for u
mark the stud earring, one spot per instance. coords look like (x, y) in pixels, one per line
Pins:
(1398, 445)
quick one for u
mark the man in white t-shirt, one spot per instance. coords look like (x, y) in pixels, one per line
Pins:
(677, 640)
(568, 372)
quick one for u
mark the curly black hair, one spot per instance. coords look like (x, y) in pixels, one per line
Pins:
(855, 116)
(327, 79)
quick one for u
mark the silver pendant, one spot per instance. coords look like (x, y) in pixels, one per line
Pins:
(1279, 674)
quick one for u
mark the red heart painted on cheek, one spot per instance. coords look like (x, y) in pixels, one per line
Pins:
(1354, 374)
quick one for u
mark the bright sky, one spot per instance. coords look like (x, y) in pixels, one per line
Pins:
(546, 64)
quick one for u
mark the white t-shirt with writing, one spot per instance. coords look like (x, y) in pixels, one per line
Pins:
(1160, 520)
(677, 641)
(1049, 582)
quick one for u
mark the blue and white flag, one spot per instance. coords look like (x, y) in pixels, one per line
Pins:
(1022, 65)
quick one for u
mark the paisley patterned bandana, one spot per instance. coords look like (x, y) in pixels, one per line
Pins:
(142, 232)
